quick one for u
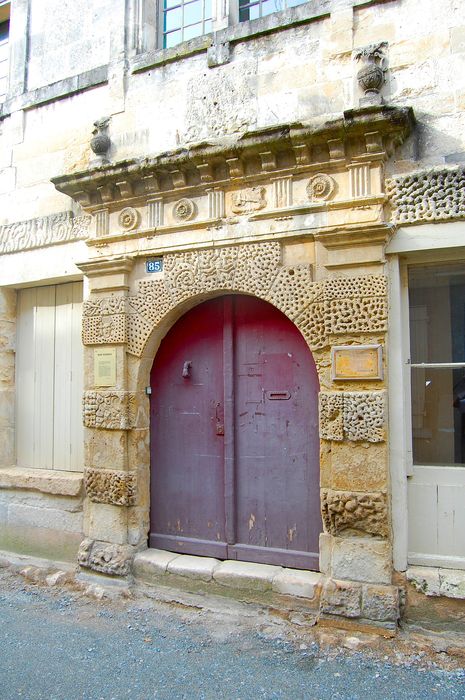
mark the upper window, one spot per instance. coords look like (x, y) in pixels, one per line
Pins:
(4, 36)
(437, 347)
(253, 9)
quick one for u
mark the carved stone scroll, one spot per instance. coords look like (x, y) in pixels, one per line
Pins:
(362, 512)
(112, 559)
(43, 231)
(431, 195)
(109, 486)
(109, 410)
(353, 415)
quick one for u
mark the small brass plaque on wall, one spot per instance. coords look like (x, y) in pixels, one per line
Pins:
(356, 362)
(105, 367)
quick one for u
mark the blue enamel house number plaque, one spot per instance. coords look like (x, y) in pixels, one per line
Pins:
(154, 265)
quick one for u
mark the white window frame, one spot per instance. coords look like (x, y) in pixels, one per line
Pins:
(5, 7)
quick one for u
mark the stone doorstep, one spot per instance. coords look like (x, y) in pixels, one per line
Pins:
(153, 563)
(435, 581)
(57, 483)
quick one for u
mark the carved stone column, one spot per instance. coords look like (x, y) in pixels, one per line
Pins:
(108, 415)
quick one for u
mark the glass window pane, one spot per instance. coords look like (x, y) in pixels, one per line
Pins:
(171, 3)
(173, 19)
(172, 39)
(437, 313)
(192, 13)
(193, 31)
(438, 416)
(208, 26)
(208, 9)
(293, 3)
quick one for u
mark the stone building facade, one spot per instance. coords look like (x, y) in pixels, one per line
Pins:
(309, 156)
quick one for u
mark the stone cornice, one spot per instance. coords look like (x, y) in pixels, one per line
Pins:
(368, 134)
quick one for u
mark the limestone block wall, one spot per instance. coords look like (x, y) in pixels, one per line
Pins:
(7, 376)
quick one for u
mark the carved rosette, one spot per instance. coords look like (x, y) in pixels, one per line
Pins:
(129, 218)
(321, 187)
(111, 559)
(184, 210)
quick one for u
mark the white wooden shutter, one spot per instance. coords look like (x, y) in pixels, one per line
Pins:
(49, 377)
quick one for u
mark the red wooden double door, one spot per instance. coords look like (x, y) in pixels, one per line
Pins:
(234, 437)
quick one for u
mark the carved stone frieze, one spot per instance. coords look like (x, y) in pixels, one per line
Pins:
(431, 195)
(109, 486)
(104, 306)
(109, 410)
(101, 330)
(112, 559)
(360, 512)
(248, 200)
(353, 415)
(43, 231)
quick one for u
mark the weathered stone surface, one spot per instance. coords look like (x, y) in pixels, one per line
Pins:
(200, 568)
(360, 512)
(341, 598)
(109, 410)
(105, 522)
(152, 562)
(354, 415)
(302, 584)
(241, 574)
(429, 195)
(380, 603)
(110, 486)
(361, 559)
(434, 581)
(45, 480)
(358, 467)
(111, 559)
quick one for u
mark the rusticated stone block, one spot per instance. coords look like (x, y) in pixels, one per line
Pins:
(112, 559)
(109, 410)
(341, 598)
(361, 512)
(380, 603)
(430, 195)
(353, 415)
(108, 486)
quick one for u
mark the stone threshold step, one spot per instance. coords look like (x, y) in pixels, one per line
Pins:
(156, 564)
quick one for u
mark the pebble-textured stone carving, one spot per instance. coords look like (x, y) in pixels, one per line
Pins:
(249, 200)
(332, 416)
(353, 287)
(43, 231)
(363, 512)
(353, 415)
(109, 486)
(112, 559)
(366, 315)
(312, 325)
(321, 187)
(293, 289)
(184, 210)
(109, 410)
(138, 332)
(129, 218)
(432, 195)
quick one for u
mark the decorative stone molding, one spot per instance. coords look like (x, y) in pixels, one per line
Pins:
(109, 410)
(321, 187)
(319, 309)
(129, 218)
(353, 415)
(43, 231)
(184, 210)
(361, 512)
(431, 195)
(248, 200)
(117, 488)
(112, 559)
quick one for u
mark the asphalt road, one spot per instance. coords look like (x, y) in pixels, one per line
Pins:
(59, 645)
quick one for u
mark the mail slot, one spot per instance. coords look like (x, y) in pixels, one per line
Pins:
(278, 395)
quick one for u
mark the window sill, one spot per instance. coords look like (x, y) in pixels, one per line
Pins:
(57, 483)
(243, 31)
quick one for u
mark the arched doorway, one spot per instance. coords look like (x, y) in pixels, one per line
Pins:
(234, 436)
